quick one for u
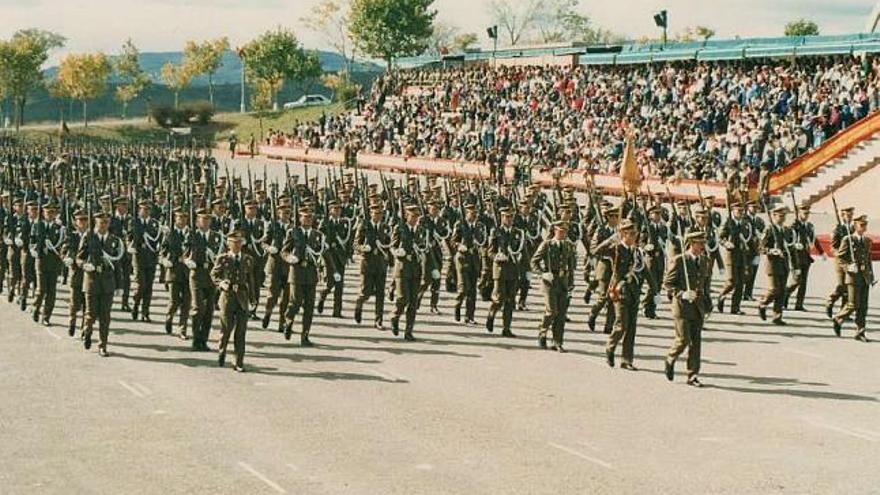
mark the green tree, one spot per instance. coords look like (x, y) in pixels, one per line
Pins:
(802, 27)
(205, 58)
(178, 78)
(84, 77)
(463, 41)
(133, 80)
(21, 63)
(275, 57)
(388, 29)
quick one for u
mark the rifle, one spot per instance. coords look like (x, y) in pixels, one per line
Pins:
(836, 211)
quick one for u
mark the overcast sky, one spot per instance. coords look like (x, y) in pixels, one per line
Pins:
(164, 25)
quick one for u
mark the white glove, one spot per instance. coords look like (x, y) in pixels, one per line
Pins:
(68, 262)
(337, 277)
(273, 250)
(89, 267)
(166, 263)
(649, 247)
(19, 243)
(728, 245)
(33, 252)
(8, 242)
(657, 299)
(435, 274)
(528, 276)
(117, 292)
(164, 229)
(366, 248)
(132, 250)
(798, 246)
(689, 296)
(190, 264)
(292, 259)
(224, 285)
(206, 265)
(796, 272)
(399, 252)
(547, 277)
(500, 257)
(755, 261)
(462, 248)
(852, 268)
(721, 271)
(775, 252)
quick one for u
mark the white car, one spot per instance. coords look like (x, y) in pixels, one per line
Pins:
(308, 101)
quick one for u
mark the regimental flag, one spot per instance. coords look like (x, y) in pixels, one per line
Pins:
(629, 169)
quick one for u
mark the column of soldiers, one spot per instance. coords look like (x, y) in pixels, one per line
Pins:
(215, 240)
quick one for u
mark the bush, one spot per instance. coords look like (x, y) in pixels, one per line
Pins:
(199, 112)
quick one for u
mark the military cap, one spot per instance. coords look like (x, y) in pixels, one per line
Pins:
(146, 203)
(560, 224)
(282, 208)
(506, 211)
(736, 205)
(804, 206)
(31, 204)
(848, 208)
(333, 204)
(696, 236)
(80, 215)
(203, 213)
(305, 212)
(780, 210)
(179, 211)
(218, 202)
(122, 200)
(612, 210)
(101, 216)
(861, 219)
(751, 202)
(51, 205)
(377, 208)
(627, 224)
(17, 201)
(235, 236)
(470, 206)
(106, 198)
(250, 203)
(655, 209)
(414, 209)
(681, 202)
(699, 210)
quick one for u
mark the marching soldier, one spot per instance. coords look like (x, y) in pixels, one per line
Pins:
(120, 226)
(28, 266)
(467, 237)
(277, 270)
(253, 228)
(336, 231)
(556, 261)
(774, 245)
(734, 237)
(506, 245)
(804, 241)
(654, 236)
(855, 256)
(601, 247)
(14, 244)
(5, 217)
(99, 252)
(233, 273)
(407, 271)
(433, 224)
(688, 280)
(755, 226)
(303, 248)
(176, 275)
(46, 240)
(144, 241)
(624, 293)
(372, 241)
(844, 228)
(203, 246)
(527, 222)
(70, 251)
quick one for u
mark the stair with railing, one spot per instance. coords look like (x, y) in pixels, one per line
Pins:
(838, 171)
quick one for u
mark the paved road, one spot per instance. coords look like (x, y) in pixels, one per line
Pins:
(791, 410)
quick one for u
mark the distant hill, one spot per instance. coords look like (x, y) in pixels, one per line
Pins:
(230, 69)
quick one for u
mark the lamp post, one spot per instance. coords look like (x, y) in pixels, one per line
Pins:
(493, 35)
(241, 53)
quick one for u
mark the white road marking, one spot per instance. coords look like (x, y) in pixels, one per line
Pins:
(591, 447)
(260, 476)
(864, 434)
(134, 391)
(57, 337)
(802, 353)
(144, 390)
(583, 456)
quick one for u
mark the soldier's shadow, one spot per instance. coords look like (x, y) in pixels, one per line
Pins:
(322, 375)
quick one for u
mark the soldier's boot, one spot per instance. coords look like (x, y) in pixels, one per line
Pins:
(22, 301)
(435, 298)
(358, 311)
(266, 320)
(395, 326)
(134, 310)
(458, 312)
(861, 335)
(720, 305)
(71, 329)
(288, 330)
(608, 327)
(168, 326)
(408, 336)
(762, 312)
(591, 323)
(490, 323)
(320, 308)
(542, 342)
(304, 340)
(836, 324)
(587, 296)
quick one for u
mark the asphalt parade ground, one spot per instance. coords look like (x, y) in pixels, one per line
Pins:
(789, 409)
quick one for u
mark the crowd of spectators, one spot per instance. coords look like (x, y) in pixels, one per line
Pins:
(690, 119)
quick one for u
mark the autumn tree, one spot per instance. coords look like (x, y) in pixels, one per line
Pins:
(205, 58)
(84, 77)
(132, 79)
(177, 78)
(331, 19)
(276, 57)
(21, 65)
(389, 29)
